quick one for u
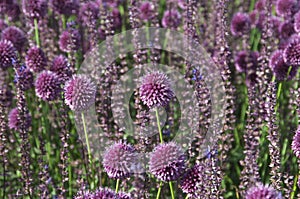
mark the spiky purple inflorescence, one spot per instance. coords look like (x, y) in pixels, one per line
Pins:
(47, 86)
(286, 29)
(291, 54)
(191, 179)
(14, 121)
(61, 67)
(296, 143)
(13, 11)
(35, 9)
(25, 77)
(156, 90)
(240, 24)
(118, 160)
(36, 59)
(285, 7)
(167, 162)
(101, 193)
(16, 36)
(80, 92)
(263, 192)
(65, 7)
(7, 54)
(146, 10)
(69, 40)
(88, 13)
(171, 19)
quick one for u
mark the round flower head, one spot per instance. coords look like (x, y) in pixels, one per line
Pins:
(36, 59)
(260, 5)
(285, 7)
(291, 54)
(101, 193)
(240, 24)
(167, 162)
(14, 122)
(146, 10)
(35, 9)
(61, 67)
(80, 93)
(88, 13)
(13, 11)
(156, 90)
(171, 19)
(296, 143)
(286, 29)
(16, 36)
(191, 179)
(25, 77)
(245, 59)
(118, 160)
(65, 7)
(263, 192)
(69, 40)
(297, 22)
(47, 86)
(7, 54)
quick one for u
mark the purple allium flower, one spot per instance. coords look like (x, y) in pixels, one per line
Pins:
(286, 29)
(14, 122)
(47, 86)
(171, 19)
(65, 7)
(296, 143)
(285, 7)
(80, 93)
(244, 58)
(101, 193)
(35, 9)
(118, 160)
(36, 59)
(109, 3)
(279, 66)
(240, 24)
(25, 77)
(276, 22)
(13, 11)
(297, 22)
(117, 21)
(16, 36)
(156, 90)
(167, 162)
(260, 5)
(257, 18)
(123, 195)
(146, 10)
(191, 179)
(291, 54)
(88, 13)
(7, 54)
(182, 4)
(61, 67)
(69, 40)
(263, 192)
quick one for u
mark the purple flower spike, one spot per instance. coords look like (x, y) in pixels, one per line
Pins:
(35, 9)
(240, 24)
(291, 54)
(101, 193)
(47, 86)
(61, 67)
(7, 54)
(14, 122)
(191, 179)
(36, 59)
(16, 36)
(285, 7)
(66, 7)
(156, 90)
(167, 162)
(296, 143)
(80, 93)
(171, 19)
(69, 40)
(263, 192)
(118, 160)
(146, 10)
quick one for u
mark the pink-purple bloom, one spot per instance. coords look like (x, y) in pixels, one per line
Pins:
(146, 10)
(171, 19)
(285, 7)
(7, 54)
(35, 9)
(16, 36)
(263, 192)
(296, 143)
(291, 54)
(47, 86)
(36, 59)
(69, 40)
(14, 122)
(61, 67)
(240, 24)
(192, 178)
(88, 13)
(66, 7)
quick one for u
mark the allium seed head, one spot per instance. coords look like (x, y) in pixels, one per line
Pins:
(7, 54)
(69, 40)
(101, 193)
(47, 86)
(146, 10)
(61, 67)
(171, 19)
(88, 13)
(80, 92)
(291, 54)
(36, 59)
(118, 160)
(296, 143)
(263, 192)
(66, 7)
(192, 178)
(156, 90)
(240, 24)
(14, 122)
(167, 162)
(16, 36)
(286, 29)
(35, 9)
(285, 7)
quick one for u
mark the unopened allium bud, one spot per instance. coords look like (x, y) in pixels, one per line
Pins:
(263, 192)
(16, 36)
(69, 40)
(240, 24)
(7, 54)
(47, 86)
(36, 59)
(244, 58)
(171, 19)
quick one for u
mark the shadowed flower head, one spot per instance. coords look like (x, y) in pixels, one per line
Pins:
(7, 54)
(80, 92)
(167, 162)
(156, 90)
(171, 19)
(286, 29)
(69, 40)
(118, 160)
(245, 59)
(88, 13)
(25, 77)
(285, 7)
(263, 192)
(61, 67)
(240, 24)
(35, 9)
(16, 36)
(146, 10)
(182, 4)
(66, 7)
(101, 193)
(47, 86)
(297, 22)
(12, 10)
(291, 54)
(14, 122)
(260, 5)
(296, 143)
(116, 16)
(192, 178)
(36, 59)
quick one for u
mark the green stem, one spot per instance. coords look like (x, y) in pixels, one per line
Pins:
(63, 20)
(171, 189)
(187, 196)
(294, 187)
(159, 190)
(117, 185)
(36, 28)
(158, 126)
(86, 136)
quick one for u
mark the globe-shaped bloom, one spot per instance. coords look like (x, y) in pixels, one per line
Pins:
(7, 54)
(35, 9)
(101, 193)
(80, 92)
(291, 54)
(13, 11)
(245, 60)
(260, 5)
(240, 24)
(88, 13)
(286, 29)
(191, 179)
(263, 192)
(155, 90)
(285, 7)
(167, 162)
(16, 36)
(146, 10)
(36, 59)
(296, 143)
(61, 67)
(14, 122)
(69, 40)
(65, 7)
(47, 86)
(171, 19)
(118, 160)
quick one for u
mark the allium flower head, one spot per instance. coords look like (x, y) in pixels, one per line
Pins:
(146, 10)
(14, 122)
(260, 5)
(243, 59)
(13, 11)
(291, 54)
(66, 7)
(240, 24)
(35, 9)
(88, 13)
(69, 40)
(192, 178)
(117, 21)
(286, 29)
(263, 192)
(101, 193)
(167, 162)
(296, 143)
(47, 86)
(285, 7)
(171, 19)
(36, 59)
(61, 67)
(25, 77)
(118, 160)
(79, 92)
(156, 90)
(7, 54)
(16, 36)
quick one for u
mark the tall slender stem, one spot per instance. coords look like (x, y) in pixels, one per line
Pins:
(86, 136)
(159, 190)
(171, 189)
(158, 126)
(187, 196)
(117, 185)
(36, 32)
